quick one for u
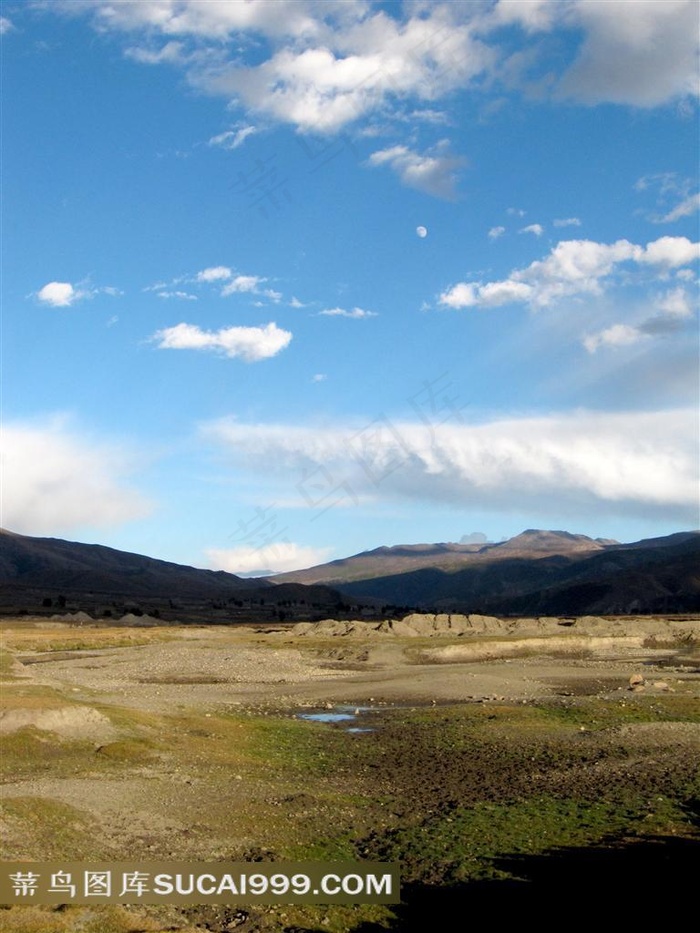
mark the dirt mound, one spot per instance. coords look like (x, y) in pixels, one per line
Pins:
(70, 722)
(427, 625)
(74, 617)
(135, 621)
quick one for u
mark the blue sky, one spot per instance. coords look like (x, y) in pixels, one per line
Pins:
(285, 281)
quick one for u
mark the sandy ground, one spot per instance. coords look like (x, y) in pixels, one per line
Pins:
(211, 668)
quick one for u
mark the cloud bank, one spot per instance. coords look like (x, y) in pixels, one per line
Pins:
(322, 66)
(570, 463)
(572, 268)
(277, 557)
(56, 480)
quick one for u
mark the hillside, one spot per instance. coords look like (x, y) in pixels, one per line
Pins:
(49, 573)
(536, 572)
(404, 558)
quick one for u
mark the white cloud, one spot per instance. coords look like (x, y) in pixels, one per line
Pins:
(673, 308)
(249, 343)
(205, 19)
(58, 294)
(686, 207)
(242, 283)
(640, 52)
(295, 303)
(431, 172)
(496, 232)
(321, 66)
(231, 283)
(64, 294)
(462, 295)
(232, 139)
(171, 53)
(342, 312)
(537, 229)
(5, 25)
(498, 293)
(428, 115)
(674, 195)
(349, 71)
(676, 303)
(619, 335)
(572, 268)
(686, 275)
(670, 252)
(56, 479)
(214, 274)
(516, 212)
(319, 377)
(491, 295)
(567, 222)
(532, 15)
(278, 557)
(571, 462)
(666, 181)
(183, 296)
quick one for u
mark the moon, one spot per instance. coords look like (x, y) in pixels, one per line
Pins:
(422, 232)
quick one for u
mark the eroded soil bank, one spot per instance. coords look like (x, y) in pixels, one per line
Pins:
(498, 767)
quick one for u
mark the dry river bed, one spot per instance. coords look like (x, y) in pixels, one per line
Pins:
(494, 766)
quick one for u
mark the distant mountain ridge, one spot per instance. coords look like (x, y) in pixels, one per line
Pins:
(53, 562)
(41, 575)
(534, 573)
(447, 556)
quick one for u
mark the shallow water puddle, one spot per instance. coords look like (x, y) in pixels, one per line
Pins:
(340, 714)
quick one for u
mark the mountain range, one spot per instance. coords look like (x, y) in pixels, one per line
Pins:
(43, 575)
(535, 573)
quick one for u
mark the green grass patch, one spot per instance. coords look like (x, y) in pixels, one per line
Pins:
(48, 829)
(463, 844)
(128, 751)
(23, 695)
(595, 714)
(6, 666)
(31, 752)
(293, 744)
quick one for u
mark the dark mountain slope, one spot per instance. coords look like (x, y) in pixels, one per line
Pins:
(619, 579)
(401, 559)
(56, 564)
